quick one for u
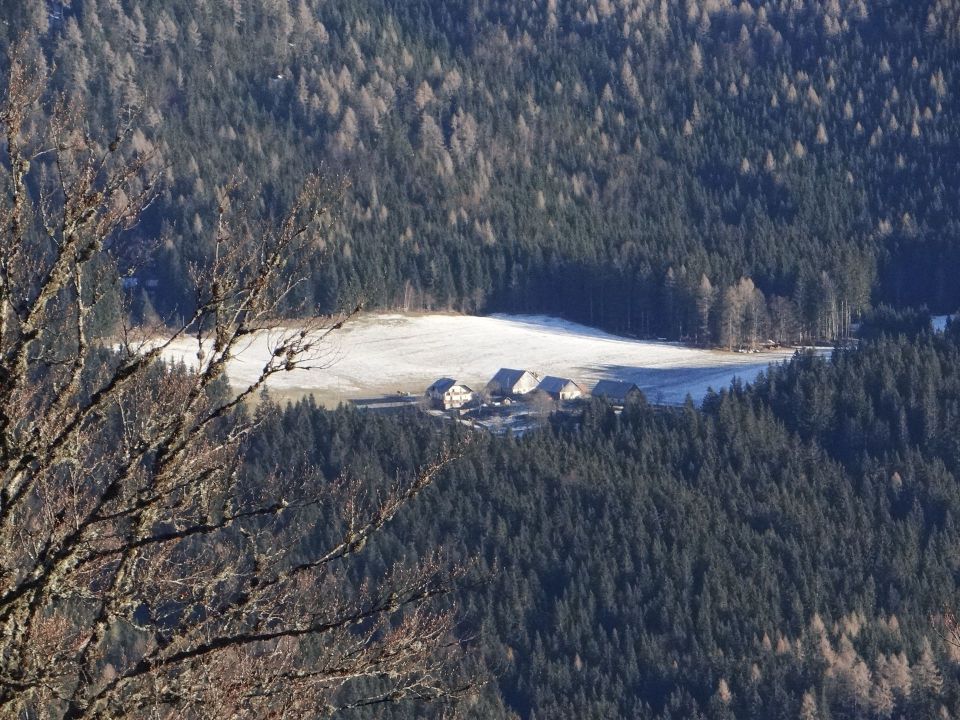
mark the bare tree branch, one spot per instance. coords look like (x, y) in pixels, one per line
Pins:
(137, 574)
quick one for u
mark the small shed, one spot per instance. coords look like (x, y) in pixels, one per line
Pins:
(617, 392)
(561, 388)
(508, 382)
(447, 393)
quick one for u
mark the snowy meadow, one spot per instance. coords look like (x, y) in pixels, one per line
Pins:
(387, 354)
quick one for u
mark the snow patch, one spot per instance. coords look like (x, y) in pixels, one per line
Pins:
(939, 322)
(388, 353)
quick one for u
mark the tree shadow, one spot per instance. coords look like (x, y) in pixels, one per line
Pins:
(672, 386)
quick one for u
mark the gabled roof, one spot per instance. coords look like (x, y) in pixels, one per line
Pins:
(615, 389)
(508, 377)
(442, 385)
(557, 385)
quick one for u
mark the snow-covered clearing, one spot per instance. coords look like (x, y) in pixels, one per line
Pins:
(378, 354)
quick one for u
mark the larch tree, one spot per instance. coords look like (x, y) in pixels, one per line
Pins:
(139, 575)
(808, 707)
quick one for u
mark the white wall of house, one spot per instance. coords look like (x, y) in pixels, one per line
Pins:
(457, 396)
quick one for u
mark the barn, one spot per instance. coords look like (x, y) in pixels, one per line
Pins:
(617, 392)
(561, 388)
(509, 382)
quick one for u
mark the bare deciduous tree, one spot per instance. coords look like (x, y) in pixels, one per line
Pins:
(138, 576)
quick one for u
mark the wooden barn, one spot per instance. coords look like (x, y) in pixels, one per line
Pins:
(561, 388)
(617, 392)
(508, 382)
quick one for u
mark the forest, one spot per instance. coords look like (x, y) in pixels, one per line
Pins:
(788, 551)
(714, 171)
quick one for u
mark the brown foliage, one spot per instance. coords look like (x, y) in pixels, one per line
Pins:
(136, 577)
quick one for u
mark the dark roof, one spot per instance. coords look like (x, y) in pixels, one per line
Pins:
(442, 385)
(615, 389)
(508, 377)
(556, 385)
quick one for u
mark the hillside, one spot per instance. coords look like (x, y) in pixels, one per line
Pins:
(787, 552)
(631, 189)
(696, 169)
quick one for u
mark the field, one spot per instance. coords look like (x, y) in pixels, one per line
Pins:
(387, 354)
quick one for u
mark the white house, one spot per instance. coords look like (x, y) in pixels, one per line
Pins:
(560, 388)
(447, 393)
(513, 382)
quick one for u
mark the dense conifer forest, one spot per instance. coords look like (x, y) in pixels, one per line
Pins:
(786, 552)
(704, 169)
(723, 173)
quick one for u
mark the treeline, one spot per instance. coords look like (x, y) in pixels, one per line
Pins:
(595, 159)
(691, 308)
(787, 551)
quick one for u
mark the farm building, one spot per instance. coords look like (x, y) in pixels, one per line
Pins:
(617, 392)
(447, 393)
(513, 382)
(560, 388)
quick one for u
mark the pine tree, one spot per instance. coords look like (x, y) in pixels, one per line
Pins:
(706, 296)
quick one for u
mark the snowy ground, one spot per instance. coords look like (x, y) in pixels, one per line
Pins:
(939, 322)
(381, 354)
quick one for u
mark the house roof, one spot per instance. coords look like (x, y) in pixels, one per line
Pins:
(556, 385)
(442, 385)
(615, 389)
(508, 377)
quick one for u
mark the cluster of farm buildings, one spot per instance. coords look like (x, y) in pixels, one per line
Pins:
(509, 385)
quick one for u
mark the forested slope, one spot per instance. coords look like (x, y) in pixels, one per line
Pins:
(786, 552)
(706, 169)
(703, 169)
